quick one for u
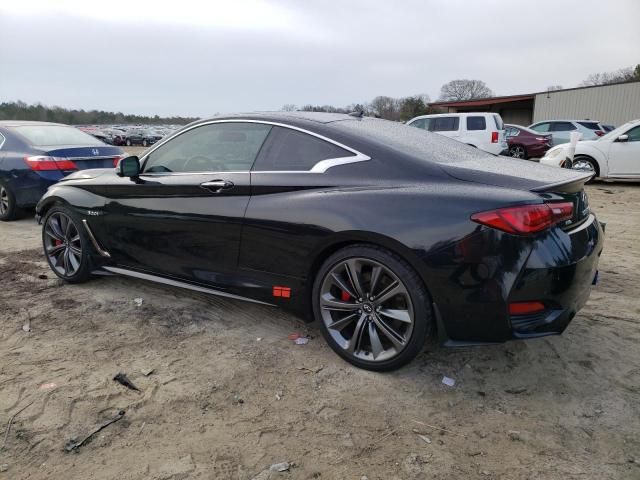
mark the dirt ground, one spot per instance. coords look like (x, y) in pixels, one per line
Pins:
(229, 395)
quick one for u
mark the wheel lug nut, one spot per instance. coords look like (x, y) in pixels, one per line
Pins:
(359, 310)
(360, 299)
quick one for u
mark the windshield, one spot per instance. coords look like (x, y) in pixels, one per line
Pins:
(618, 131)
(55, 135)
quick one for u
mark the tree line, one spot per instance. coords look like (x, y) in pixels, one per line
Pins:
(22, 111)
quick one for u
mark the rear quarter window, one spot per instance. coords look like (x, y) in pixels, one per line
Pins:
(476, 123)
(499, 122)
(590, 125)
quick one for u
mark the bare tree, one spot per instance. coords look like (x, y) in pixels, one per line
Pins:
(465, 90)
(385, 107)
(289, 107)
(605, 78)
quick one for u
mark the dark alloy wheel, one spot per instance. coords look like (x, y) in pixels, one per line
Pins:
(66, 246)
(373, 309)
(8, 208)
(517, 151)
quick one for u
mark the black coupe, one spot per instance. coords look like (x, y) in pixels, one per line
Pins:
(383, 233)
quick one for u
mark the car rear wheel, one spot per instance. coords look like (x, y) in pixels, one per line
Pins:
(66, 245)
(8, 208)
(372, 307)
(517, 151)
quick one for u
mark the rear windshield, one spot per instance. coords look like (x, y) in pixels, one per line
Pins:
(499, 124)
(54, 135)
(411, 141)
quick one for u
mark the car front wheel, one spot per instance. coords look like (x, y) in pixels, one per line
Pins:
(8, 208)
(372, 307)
(66, 245)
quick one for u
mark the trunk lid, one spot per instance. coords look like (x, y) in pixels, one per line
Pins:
(550, 183)
(95, 156)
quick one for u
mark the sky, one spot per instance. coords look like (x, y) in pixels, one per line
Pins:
(199, 58)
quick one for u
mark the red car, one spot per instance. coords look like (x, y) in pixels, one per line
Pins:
(526, 143)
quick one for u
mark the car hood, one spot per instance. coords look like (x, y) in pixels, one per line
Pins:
(512, 173)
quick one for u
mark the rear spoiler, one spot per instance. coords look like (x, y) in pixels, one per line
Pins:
(569, 186)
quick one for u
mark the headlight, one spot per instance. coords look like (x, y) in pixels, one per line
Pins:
(555, 153)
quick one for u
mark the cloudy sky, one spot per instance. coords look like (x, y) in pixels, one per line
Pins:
(188, 57)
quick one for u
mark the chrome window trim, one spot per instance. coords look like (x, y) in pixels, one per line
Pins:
(320, 167)
(3, 139)
(177, 283)
(583, 225)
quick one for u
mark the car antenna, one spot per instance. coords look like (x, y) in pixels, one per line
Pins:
(358, 114)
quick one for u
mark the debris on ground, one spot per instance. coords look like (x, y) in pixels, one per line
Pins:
(138, 301)
(73, 445)
(13, 417)
(280, 467)
(312, 369)
(259, 339)
(4, 467)
(294, 336)
(450, 382)
(48, 386)
(122, 379)
(147, 371)
(424, 438)
(279, 395)
(43, 276)
(516, 390)
(237, 400)
(515, 436)
(301, 341)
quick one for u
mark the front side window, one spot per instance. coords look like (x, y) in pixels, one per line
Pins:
(420, 123)
(634, 135)
(291, 150)
(562, 127)
(445, 124)
(216, 147)
(476, 123)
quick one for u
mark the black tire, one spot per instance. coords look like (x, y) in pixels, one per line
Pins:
(422, 322)
(128, 142)
(518, 151)
(8, 207)
(82, 266)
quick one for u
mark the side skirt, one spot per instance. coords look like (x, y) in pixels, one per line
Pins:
(177, 283)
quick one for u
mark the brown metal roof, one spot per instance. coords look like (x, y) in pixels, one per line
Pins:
(483, 101)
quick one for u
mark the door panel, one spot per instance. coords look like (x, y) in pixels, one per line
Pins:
(624, 157)
(170, 224)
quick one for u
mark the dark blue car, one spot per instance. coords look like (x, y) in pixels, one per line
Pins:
(35, 155)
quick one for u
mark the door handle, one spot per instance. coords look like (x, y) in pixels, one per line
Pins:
(216, 186)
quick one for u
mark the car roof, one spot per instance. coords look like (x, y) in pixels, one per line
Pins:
(21, 123)
(521, 127)
(566, 120)
(454, 114)
(318, 117)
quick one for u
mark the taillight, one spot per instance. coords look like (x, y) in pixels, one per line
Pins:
(598, 132)
(542, 139)
(44, 163)
(524, 308)
(525, 219)
(117, 159)
(494, 137)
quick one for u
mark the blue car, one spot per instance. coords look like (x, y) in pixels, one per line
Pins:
(35, 155)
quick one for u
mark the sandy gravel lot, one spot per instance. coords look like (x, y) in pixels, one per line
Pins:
(229, 395)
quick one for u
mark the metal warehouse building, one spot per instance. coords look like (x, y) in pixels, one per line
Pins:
(612, 104)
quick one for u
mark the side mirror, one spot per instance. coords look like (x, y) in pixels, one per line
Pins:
(622, 138)
(129, 167)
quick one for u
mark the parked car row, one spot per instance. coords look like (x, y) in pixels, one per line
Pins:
(128, 135)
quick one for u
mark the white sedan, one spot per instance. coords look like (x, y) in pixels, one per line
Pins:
(614, 155)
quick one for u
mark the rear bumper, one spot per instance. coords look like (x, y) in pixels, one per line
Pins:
(493, 269)
(537, 150)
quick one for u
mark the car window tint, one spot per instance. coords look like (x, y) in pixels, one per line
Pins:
(476, 123)
(590, 125)
(290, 150)
(445, 124)
(634, 134)
(562, 127)
(541, 127)
(420, 123)
(216, 147)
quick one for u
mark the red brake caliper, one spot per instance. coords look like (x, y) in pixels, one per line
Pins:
(345, 296)
(58, 243)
